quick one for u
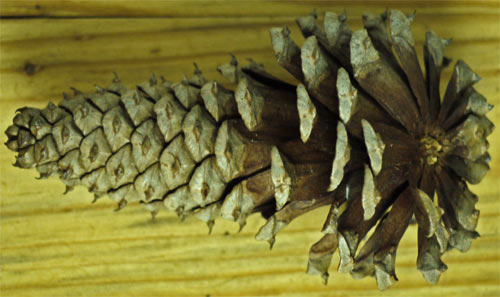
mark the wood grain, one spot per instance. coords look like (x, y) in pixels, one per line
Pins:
(55, 245)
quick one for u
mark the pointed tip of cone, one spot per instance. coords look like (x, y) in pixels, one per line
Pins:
(241, 226)
(210, 225)
(325, 276)
(384, 279)
(432, 276)
(271, 242)
(121, 205)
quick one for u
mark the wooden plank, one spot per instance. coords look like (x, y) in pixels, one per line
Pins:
(62, 55)
(204, 8)
(54, 245)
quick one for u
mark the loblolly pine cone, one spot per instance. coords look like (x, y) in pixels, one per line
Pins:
(364, 132)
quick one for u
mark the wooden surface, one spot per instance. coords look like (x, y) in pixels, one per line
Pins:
(55, 245)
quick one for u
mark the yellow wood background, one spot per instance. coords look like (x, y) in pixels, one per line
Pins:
(55, 245)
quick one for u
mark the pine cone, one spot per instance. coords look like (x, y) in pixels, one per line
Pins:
(364, 132)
